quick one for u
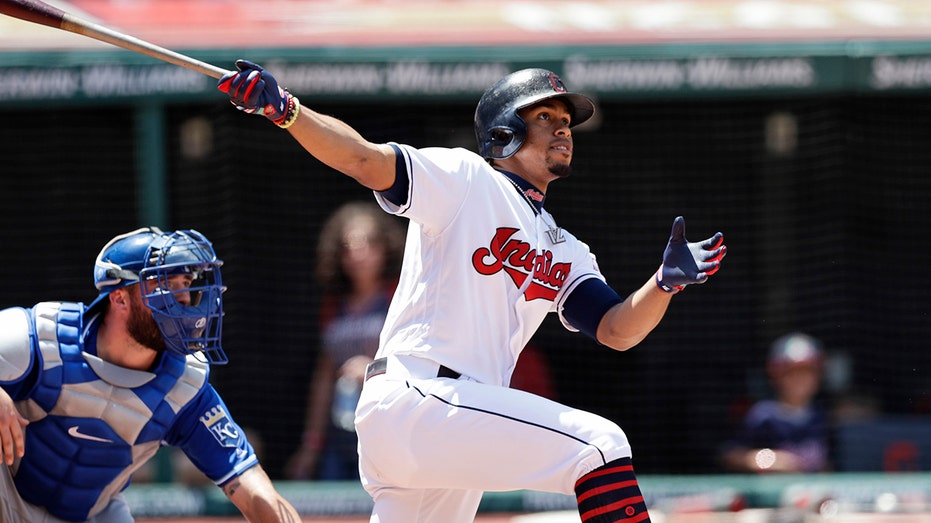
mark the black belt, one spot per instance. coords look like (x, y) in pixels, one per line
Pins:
(446, 372)
(380, 366)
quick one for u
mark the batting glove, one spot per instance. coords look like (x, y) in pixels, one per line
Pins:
(685, 263)
(254, 90)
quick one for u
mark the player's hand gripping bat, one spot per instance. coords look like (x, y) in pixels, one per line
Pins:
(39, 12)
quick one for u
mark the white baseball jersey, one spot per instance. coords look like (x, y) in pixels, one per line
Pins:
(482, 267)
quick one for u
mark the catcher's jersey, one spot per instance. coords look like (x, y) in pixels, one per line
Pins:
(482, 266)
(93, 423)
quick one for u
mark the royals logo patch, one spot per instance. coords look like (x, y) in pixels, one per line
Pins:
(221, 426)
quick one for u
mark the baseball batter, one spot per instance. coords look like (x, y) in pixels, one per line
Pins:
(484, 264)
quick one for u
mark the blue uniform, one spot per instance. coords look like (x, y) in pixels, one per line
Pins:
(92, 423)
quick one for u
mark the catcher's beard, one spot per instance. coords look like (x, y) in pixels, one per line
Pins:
(141, 325)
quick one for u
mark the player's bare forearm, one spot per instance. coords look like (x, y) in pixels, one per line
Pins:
(341, 147)
(629, 322)
(11, 430)
(254, 90)
(256, 497)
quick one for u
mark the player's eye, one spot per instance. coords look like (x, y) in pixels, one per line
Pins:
(180, 282)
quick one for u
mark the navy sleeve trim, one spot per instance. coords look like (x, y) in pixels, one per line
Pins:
(587, 304)
(397, 193)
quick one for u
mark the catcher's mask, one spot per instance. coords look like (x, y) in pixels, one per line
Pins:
(499, 130)
(150, 255)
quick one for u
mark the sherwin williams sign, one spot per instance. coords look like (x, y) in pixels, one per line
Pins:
(599, 76)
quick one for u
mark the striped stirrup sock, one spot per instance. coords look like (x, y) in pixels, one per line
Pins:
(610, 494)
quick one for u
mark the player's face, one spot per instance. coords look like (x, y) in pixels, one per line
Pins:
(548, 139)
(141, 325)
(798, 384)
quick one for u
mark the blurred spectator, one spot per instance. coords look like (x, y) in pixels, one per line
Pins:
(789, 433)
(358, 261)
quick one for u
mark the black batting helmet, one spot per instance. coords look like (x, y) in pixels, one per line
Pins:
(499, 130)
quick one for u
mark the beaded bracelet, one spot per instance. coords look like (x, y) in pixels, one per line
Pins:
(294, 109)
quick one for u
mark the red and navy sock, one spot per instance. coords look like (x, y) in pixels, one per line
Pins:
(610, 494)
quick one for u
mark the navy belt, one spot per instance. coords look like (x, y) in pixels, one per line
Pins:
(380, 366)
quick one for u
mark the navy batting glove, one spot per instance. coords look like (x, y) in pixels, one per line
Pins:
(254, 90)
(685, 263)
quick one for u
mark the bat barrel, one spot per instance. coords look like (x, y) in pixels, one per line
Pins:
(98, 32)
(41, 13)
(33, 11)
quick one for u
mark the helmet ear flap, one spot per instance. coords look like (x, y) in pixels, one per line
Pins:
(499, 138)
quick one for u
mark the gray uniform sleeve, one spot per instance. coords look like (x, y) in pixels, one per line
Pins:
(16, 355)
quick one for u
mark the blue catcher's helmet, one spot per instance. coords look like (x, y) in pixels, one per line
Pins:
(499, 130)
(150, 255)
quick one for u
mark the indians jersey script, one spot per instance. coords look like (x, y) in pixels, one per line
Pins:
(475, 234)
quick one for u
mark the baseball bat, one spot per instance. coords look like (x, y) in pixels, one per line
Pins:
(42, 13)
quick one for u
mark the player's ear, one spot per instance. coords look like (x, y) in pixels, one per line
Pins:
(119, 298)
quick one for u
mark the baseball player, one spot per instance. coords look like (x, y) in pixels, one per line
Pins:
(483, 265)
(88, 394)
(789, 432)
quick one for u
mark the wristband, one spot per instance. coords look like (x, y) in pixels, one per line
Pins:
(669, 289)
(290, 116)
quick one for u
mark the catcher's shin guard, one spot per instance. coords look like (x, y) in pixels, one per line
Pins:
(610, 494)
